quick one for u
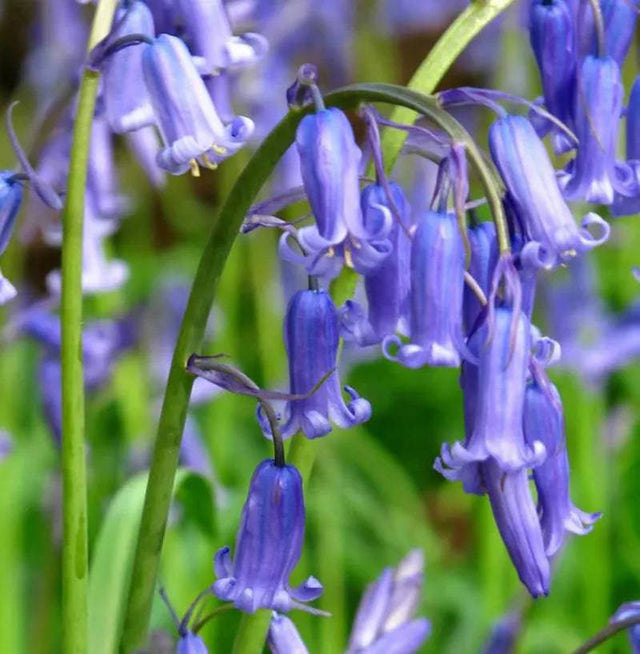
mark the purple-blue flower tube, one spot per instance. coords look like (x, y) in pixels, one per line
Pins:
(283, 637)
(498, 434)
(385, 622)
(624, 612)
(268, 546)
(437, 284)
(599, 98)
(551, 32)
(386, 285)
(127, 103)
(517, 521)
(544, 422)
(311, 335)
(189, 643)
(188, 121)
(329, 161)
(484, 256)
(10, 200)
(207, 24)
(524, 165)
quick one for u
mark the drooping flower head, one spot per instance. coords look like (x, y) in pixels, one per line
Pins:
(10, 201)
(329, 162)
(437, 284)
(599, 96)
(386, 285)
(524, 165)
(127, 103)
(484, 256)
(188, 121)
(191, 644)
(311, 335)
(552, 35)
(385, 621)
(268, 545)
(626, 611)
(504, 634)
(544, 422)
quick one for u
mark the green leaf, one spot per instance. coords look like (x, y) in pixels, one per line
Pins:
(113, 552)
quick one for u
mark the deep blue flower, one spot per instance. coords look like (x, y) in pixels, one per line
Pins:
(385, 622)
(268, 545)
(619, 19)
(437, 284)
(552, 35)
(127, 102)
(599, 96)
(387, 285)
(188, 121)
(629, 203)
(534, 193)
(207, 26)
(283, 637)
(544, 422)
(311, 335)
(329, 161)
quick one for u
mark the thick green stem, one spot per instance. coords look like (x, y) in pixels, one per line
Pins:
(164, 461)
(74, 478)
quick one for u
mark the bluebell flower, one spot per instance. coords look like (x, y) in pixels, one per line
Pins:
(503, 346)
(385, 622)
(386, 285)
(628, 203)
(599, 96)
(188, 121)
(189, 643)
(534, 193)
(504, 634)
(552, 35)
(268, 546)
(10, 201)
(145, 143)
(544, 422)
(127, 103)
(437, 284)
(207, 26)
(6, 444)
(619, 19)
(517, 520)
(311, 335)
(626, 611)
(329, 162)
(283, 637)
(484, 256)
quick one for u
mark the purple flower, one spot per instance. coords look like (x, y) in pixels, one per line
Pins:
(551, 31)
(10, 201)
(503, 345)
(629, 203)
(268, 546)
(329, 160)
(145, 143)
(626, 611)
(385, 623)
(127, 102)
(188, 121)
(6, 444)
(517, 521)
(437, 284)
(191, 644)
(504, 634)
(544, 422)
(311, 335)
(599, 98)
(533, 191)
(207, 25)
(619, 21)
(283, 637)
(387, 285)
(484, 256)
